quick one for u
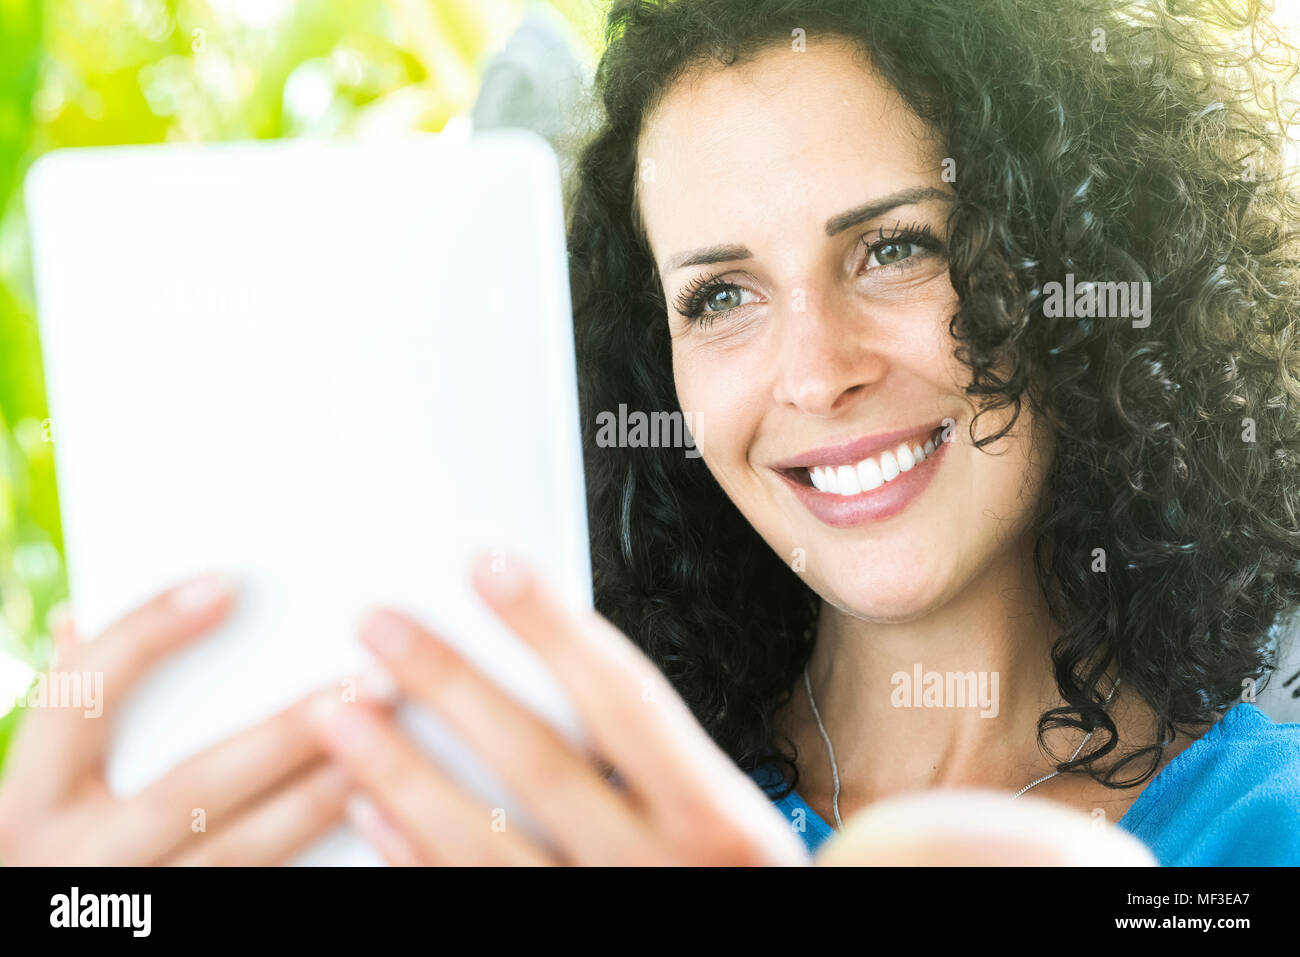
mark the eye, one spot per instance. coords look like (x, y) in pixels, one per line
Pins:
(902, 247)
(709, 296)
(888, 253)
(722, 298)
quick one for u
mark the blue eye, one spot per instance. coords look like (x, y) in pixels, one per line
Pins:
(709, 295)
(727, 297)
(899, 246)
(886, 254)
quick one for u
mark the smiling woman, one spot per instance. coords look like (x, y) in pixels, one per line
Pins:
(826, 231)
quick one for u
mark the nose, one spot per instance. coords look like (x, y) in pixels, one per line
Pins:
(824, 357)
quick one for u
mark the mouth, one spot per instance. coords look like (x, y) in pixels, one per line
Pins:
(869, 479)
(856, 468)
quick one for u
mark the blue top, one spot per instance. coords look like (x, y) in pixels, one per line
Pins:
(1230, 799)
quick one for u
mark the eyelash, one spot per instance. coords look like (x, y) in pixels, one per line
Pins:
(916, 234)
(690, 301)
(693, 296)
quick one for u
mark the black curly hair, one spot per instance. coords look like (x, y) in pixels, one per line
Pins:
(1139, 141)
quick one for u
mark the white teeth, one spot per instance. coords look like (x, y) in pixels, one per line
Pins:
(871, 473)
(888, 466)
(869, 476)
(905, 460)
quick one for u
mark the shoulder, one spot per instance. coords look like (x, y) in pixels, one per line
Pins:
(803, 820)
(1232, 798)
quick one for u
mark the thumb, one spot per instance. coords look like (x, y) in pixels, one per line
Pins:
(963, 827)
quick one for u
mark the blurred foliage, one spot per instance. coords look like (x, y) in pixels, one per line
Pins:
(101, 72)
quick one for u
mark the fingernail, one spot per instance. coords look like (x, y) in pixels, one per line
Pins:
(349, 730)
(385, 632)
(321, 711)
(502, 576)
(337, 776)
(376, 684)
(203, 593)
(371, 823)
(363, 813)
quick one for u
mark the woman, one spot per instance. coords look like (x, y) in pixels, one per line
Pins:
(985, 319)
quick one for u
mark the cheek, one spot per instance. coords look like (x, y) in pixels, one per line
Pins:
(991, 504)
(720, 402)
(1014, 471)
(1024, 480)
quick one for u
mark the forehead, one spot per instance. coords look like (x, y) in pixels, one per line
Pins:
(783, 138)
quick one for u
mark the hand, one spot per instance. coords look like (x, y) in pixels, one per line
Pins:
(683, 800)
(266, 792)
(978, 828)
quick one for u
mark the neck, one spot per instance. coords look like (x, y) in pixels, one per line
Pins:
(983, 657)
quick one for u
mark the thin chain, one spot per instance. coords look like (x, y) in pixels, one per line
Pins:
(835, 769)
(1048, 777)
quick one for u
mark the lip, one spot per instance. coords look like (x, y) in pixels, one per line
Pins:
(876, 505)
(851, 453)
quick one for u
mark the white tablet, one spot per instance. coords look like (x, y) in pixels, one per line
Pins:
(333, 368)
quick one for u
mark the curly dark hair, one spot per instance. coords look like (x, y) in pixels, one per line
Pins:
(1139, 141)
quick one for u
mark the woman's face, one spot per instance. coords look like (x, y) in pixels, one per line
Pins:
(796, 210)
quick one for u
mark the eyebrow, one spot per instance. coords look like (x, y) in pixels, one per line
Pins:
(877, 207)
(708, 255)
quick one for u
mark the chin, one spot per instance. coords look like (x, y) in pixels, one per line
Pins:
(887, 591)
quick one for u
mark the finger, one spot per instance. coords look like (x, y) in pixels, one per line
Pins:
(380, 832)
(139, 640)
(60, 741)
(219, 781)
(703, 805)
(444, 823)
(275, 830)
(584, 818)
(633, 715)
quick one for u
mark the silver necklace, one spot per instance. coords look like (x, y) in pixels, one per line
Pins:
(835, 768)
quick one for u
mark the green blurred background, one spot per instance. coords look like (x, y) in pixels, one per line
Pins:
(96, 72)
